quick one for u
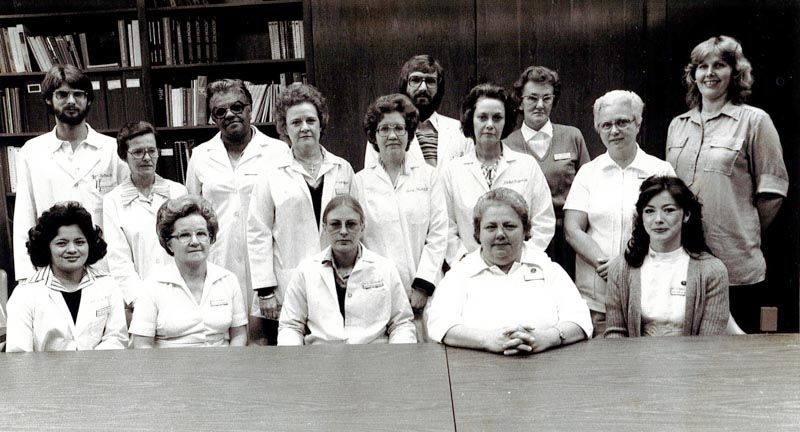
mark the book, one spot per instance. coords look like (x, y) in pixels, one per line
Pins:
(12, 153)
(98, 111)
(124, 46)
(166, 27)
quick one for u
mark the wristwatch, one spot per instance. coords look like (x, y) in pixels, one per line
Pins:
(561, 337)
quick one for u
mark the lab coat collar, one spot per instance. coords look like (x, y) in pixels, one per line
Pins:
(129, 192)
(91, 139)
(639, 162)
(46, 275)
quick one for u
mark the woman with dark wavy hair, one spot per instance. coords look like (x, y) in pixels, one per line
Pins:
(66, 305)
(667, 283)
(729, 154)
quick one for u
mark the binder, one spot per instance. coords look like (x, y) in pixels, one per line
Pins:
(115, 100)
(134, 96)
(166, 165)
(34, 108)
(98, 112)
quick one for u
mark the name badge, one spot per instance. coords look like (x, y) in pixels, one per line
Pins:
(678, 290)
(562, 156)
(642, 176)
(372, 285)
(219, 303)
(102, 311)
(535, 273)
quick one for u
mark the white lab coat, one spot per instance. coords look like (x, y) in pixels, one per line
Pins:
(452, 144)
(406, 223)
(134, 251)
(39, 319)
(229, 189)
(281, 226)
(44, 178)
(463, 182)
(376, 306)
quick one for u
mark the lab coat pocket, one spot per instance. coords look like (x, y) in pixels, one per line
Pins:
(372, 302)
(722, 153)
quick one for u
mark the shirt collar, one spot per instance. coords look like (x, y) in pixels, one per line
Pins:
(171, 275)
(729, 109)
(530, 257)
(528, 132)
(50, 280)
(327, 256)
(91, 139)
(605, 162)
(130, 193)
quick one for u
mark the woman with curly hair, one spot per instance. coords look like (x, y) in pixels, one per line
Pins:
(66, 305)
(667, 283)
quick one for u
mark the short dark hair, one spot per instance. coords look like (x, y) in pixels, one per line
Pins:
(227, 85)
(490, 91)
(426, 64)
(61, 74)
(296, 94)
(730, 51)
(692, 238)
(501, 196)
(130, 131)
(396, 102)
(64, 214)
(176, 208)
(539, 75)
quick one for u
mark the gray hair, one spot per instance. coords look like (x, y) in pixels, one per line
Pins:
(625, 96)
(499, 197)
(180, 207)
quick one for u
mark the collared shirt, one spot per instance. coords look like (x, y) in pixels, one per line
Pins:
(129, 220)
(607, 194)
(39, 319)
(341, 279)
(663, 285)
(376, 306)
(229, 189)
(539, 141)
(49, 171)
(168, 311)
(281, 226)
(406, 221)
(535, 292)
(428, 137)
(463, 182)
(727, 160)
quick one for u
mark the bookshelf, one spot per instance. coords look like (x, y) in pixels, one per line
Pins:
(137, 53)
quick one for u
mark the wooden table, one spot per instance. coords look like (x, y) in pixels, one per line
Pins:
(671, 384)
(321, 388)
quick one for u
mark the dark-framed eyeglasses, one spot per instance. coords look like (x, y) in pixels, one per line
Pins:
(532, 100)
(385, 130)
(236, 108)
(140, 152)
(415, 81)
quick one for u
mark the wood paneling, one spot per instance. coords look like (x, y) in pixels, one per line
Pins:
(360, 46)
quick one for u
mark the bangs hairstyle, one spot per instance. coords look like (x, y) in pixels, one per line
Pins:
(130, 131)
(692, 237)
(59, 75)
(538, 75)
(227, 85)
(489, 91)
(343, 201)
(47, 226)
(180, 207)
(296, 94)
(388, 104)
(730, 51)
(500, 197)
(426, 64)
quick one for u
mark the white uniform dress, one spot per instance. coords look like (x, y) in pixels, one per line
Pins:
(229, 189)
(49, 171)
(281, 228)
(376, 306)
(39, 319)
(536, 292)
(129, 221)
(452, 144)
(464, 183)
(168, 312)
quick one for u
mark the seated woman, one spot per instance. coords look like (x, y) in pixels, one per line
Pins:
(66, 305)
(192, 302)
(507, 297)
(667, 283)
(346, 293)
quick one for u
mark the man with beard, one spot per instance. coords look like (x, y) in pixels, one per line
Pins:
(224, 170)
(438, 139)
(72, 162)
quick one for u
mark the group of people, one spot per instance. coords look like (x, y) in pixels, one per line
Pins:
(466, 233)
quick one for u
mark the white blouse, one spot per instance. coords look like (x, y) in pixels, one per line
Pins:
(664, 292)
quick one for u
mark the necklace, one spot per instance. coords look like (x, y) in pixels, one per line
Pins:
(311, 167)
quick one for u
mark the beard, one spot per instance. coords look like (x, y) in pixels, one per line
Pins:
(424, 103)
(73, 119)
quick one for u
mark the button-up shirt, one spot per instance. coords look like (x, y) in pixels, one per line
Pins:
(539, 141)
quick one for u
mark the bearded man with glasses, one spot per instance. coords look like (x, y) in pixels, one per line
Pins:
(72, 162)
(223, 170)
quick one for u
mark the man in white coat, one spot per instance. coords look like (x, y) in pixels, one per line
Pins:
(70, 163)
(438, 138)
(224, 170)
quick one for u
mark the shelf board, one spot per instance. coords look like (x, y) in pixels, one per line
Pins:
(76, 14)
(161, 129)
(214, 7)
(86, 71)
(226, 64)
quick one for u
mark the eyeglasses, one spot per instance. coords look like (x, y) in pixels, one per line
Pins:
(384, 130)
(140, 152)
(236, 108)
(186, 237)
(65, 94)
(415, 81)
(621, 123)
(335, 226)
(531, 100)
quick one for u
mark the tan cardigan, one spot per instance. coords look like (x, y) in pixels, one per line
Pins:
(707, 307)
